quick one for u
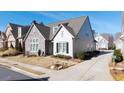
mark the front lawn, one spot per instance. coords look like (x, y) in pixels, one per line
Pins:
(42, 61)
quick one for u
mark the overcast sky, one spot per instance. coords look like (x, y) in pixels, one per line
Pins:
(108, 22)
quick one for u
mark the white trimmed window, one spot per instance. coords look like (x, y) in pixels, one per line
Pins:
(34, 45)
(62, 47)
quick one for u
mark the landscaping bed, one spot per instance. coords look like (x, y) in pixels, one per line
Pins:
(117, 66)
(117, 74)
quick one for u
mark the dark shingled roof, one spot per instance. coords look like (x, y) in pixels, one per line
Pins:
(73, 25)
(24, 31)
(44, 30)
(15, 29)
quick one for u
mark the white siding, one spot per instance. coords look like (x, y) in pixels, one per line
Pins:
(102, 43)
(67, 37)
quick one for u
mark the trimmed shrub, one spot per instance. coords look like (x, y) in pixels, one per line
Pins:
(86, 55)
(95, 53)
(62, 56)
(80, 55)
(118, 56)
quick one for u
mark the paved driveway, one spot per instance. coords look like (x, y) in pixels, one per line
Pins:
(96, 69)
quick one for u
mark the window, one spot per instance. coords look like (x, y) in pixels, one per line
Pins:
(34, 45)
(55, 29)
(62, 47)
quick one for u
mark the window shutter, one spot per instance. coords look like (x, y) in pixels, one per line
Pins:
(57, 47)
(67, 51)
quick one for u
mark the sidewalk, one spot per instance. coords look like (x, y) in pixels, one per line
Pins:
(18, 67)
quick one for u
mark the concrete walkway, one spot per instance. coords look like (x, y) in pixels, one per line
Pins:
(96, 69)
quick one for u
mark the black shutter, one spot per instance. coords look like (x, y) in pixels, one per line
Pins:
(57, 47)
(67, 51)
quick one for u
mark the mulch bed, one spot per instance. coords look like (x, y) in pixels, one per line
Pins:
(118, 75)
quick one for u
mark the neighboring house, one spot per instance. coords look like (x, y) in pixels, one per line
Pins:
(15, 34)
(37, 39)
(71, 36)
(2, 40)
(109, 38)
(102, 43)
(12, 34)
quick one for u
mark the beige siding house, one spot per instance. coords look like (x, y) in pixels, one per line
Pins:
(37, 39)
(11, 34)
(15, 34)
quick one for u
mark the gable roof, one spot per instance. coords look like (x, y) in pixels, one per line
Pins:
(67, 27)
(73, 25)
(14, 30)
(24, 31)
(44, 30)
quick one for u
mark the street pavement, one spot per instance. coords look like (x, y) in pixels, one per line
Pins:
(6, 74)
